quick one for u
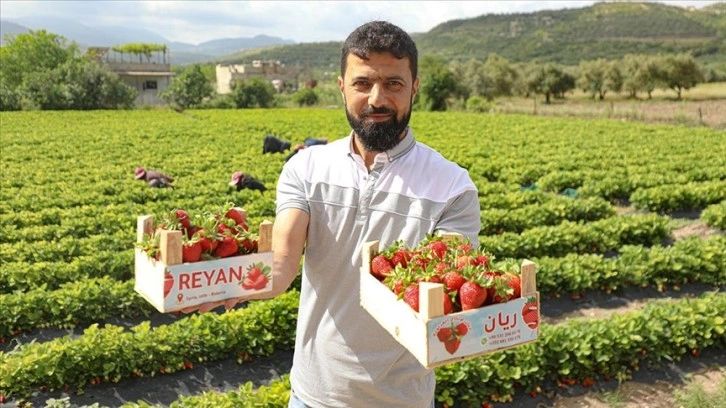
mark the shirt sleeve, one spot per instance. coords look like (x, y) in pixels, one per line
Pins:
(291, 187)
(462, 216)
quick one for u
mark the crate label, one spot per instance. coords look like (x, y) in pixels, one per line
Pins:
(482, 330)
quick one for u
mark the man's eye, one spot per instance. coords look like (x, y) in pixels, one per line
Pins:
(395, 85)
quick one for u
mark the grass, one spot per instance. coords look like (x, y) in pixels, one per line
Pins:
(704, 105)
(695, 395)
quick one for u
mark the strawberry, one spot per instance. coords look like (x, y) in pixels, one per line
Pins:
(444, 334)
(472, 295)
(438, 249)
(452, 345)
(515, 283)
(255, 284)
(464, 260)
(380, 267)
(191, 251)
(238, 217)
(168, 284)
(400, 257)
(183, 217)
(453, 281)
(448, 305)
(410, 296)
(462, 329)
(482, 260)
(227, 247)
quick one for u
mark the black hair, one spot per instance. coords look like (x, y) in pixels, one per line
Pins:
(380, 36)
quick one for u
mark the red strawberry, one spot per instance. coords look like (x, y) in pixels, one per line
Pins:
(236, 215)
(507, 285)
(380, 267)
(464, 247)
(410, 296)
(452, 345)
(183, 218)
(453, 281)
(191, 251)
(255, 284)
(482, 260)
(447, 304)
(464, 260)
(438, 249)
(168, 284)
(227, 247)
(462, 329)
(400, 257)
(443, 334)
(471, 295)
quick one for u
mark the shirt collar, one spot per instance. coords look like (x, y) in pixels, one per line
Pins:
(403, 147)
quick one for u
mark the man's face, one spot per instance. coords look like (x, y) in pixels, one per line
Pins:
(378, 93)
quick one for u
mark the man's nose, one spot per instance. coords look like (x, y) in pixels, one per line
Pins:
(377, 97)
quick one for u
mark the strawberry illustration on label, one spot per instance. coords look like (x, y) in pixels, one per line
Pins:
(451, 332)
(168, 284)
(530, 313)
(258, 276)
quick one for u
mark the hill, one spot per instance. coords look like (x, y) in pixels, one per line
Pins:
(603, 30)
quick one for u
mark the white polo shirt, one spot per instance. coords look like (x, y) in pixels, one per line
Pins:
(343, 357)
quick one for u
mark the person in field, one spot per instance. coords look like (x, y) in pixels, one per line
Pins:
(310, 141)
(153, 178)
(242, 181)
(377, 183)
(272, 144)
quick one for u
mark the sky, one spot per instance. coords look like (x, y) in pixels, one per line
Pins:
(302, 21)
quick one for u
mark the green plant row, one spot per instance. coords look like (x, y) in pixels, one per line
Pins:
(551, 212)
(112, 353)
(715, 215)
(64, 249)
(572, 352)
(621, 185)
(24, 276)
(677, 197)
(86, 300)
(274, 395)
(690, 260)
(630, 180)
(601, 236)
(513, 199)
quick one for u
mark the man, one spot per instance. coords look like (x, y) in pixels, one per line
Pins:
(376, 184)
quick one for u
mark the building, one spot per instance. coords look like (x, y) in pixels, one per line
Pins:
(273, 71)
(149, 73)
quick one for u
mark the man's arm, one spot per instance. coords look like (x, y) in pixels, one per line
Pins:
(289, 233)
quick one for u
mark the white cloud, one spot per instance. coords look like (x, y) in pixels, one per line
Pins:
(302, 21)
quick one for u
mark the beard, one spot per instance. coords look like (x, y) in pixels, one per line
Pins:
(382, 136)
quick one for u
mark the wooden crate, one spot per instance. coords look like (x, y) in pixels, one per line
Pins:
(490, 328)
(170, 285)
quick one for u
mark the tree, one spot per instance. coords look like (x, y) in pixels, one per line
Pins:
(188, 89)
(478, 80)
(305, 97)
(502, 74)
(437, 83)
(548, 80)
(681, 72)
(78, 84)
(34, 51)
(255, 92)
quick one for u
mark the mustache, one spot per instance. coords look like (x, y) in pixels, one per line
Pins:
(377, 111)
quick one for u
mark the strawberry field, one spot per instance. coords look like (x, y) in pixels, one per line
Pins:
(594, 204)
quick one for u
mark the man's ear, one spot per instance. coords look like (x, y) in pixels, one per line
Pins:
(416, 83)
(341, 84)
